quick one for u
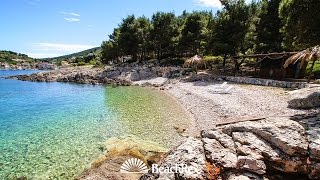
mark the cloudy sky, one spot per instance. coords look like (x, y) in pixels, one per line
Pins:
(49, 28)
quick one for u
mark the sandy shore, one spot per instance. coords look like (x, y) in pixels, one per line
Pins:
(243, 102)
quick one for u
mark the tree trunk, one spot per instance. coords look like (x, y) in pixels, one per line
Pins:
(159, 54)
(224, 63)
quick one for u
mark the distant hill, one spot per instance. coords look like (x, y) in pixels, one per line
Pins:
(11, 57)
(96, 51)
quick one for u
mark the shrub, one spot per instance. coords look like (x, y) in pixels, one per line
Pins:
(81, 63)
(213, 59)
(316, 69)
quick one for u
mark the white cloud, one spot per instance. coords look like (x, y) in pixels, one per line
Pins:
(71, 14)
(33, 2)
(71, 19)
(61, 47)
(212, 3)
(44, 50)
(209, 3)
(43, 55)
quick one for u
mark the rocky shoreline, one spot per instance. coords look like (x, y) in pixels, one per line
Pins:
(271, 148)
(123, 75)
(248, 133)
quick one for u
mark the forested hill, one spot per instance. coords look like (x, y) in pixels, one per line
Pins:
(263, 26)
(11, 57)
(95, 51)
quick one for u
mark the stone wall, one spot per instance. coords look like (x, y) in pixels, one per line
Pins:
(265, 82)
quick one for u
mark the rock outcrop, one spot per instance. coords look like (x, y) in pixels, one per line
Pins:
(118, 75)
(189, 154)
(305, 98)
(271, 148)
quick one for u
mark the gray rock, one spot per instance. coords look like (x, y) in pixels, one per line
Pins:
(112, 74)
(304, 98)
(250, 144)
(132, 76)
(247, 150)
(243, 176)
(314, 140)
(146, 74)
(314, 170)
(287, 135)
(251, 164)
(191, 154)
(225, 140)
(218, 154)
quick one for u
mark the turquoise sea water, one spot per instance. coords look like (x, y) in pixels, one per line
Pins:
(54, 130)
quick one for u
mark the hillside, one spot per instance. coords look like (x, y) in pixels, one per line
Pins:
(11, 57)
(95, 51)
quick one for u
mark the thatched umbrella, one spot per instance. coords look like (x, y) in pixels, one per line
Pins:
(195, 62)
(305, 56)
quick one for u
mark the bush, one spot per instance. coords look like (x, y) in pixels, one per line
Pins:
(81, 63)
(95, 62)
(172, 62)
(213, 59)
(316, 69)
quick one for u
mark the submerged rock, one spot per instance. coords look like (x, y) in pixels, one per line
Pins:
(118, 151)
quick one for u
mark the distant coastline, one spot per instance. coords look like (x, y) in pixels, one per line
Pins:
(24, 65)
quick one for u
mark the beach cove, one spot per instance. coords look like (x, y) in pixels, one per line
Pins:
(55, 130)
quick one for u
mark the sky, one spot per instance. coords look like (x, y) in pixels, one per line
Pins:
(50, 28)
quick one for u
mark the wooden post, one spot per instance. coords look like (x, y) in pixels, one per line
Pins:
(313, 62)
(283, 70)
(255, 67)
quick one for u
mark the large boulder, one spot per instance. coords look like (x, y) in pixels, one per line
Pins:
(190, 154)
(270, 148)
(287, 135)
(305, 98)
(279, 144)
(146, 74)
(130, 76)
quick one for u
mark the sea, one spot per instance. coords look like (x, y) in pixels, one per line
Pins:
(55, 130)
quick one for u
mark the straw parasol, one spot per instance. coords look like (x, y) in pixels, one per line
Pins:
(305, 56)
(195, 62)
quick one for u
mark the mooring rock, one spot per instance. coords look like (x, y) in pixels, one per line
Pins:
(305, 98)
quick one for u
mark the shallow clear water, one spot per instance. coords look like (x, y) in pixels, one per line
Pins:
(54, 130)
